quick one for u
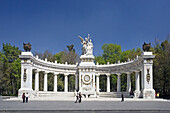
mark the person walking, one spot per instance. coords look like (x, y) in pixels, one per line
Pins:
(77, 97)
(80, 97)
(26, 95)
(122, 97)
(23, 97)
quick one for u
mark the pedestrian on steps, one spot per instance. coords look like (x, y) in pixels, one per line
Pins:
(122, 97)
(80, 97)
(77, 97)
(23, 97)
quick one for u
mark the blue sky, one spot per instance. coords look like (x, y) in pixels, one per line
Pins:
(54, 24)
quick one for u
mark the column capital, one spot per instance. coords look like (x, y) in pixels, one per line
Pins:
(128, 73)
(36, 71)
(76, 74)
(66, 74)
(45, 72)
(137, 71)
(108, 74)
(56, 73)
(97, 75)
(118, 74)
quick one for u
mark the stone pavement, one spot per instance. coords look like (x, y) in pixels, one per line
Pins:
(72, 98)
(85, 106)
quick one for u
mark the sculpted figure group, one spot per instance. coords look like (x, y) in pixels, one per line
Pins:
(87, 48)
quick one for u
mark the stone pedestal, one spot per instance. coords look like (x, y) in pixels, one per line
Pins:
(87, 75)
(148, 92)
(137, 93)
(26, 74)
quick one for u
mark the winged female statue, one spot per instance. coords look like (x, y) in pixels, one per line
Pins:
(84, 43)
(87, 46)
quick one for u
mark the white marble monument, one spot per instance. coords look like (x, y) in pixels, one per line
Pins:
(87, 68)
(87, 74)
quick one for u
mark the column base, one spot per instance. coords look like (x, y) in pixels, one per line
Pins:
(137, 94)
(149, 94)
(97, 92)
(30, 92)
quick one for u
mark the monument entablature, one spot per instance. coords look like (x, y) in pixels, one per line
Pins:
(87, 73)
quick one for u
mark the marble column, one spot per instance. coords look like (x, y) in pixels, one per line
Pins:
(55, 82)
(137, 83)
(108, 82)
(76, 81)
(45, 81)
(142, 80)
(97, 83)
(128, 82)
(36, 80)
(66, 82)
(80, 82)
(118, 83)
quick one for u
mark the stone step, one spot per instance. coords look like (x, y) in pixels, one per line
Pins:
(46, 94)
(71, 94)
(113, 94)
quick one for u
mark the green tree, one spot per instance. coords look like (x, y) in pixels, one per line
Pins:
(10, 68)
(162, 68)
(58, 56)
(16, 74)
(50, 82)
(60, 82)
(131, 54)
(113, 83)
(71, 81)
(1, 73)
(99, 59)
(111, 52)
(103, 83)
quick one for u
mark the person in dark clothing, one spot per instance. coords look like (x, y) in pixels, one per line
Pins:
(122, 97)
(80, 97)
(23, 97)
(77, 97)
(131, 94)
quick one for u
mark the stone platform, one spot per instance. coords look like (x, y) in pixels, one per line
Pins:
(100, 105)
(72, 99)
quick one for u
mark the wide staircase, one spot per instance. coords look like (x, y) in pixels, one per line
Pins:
(71, 94)
(114, 94)
(53, 94)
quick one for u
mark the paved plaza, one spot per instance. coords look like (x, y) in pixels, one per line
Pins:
(86, 106)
